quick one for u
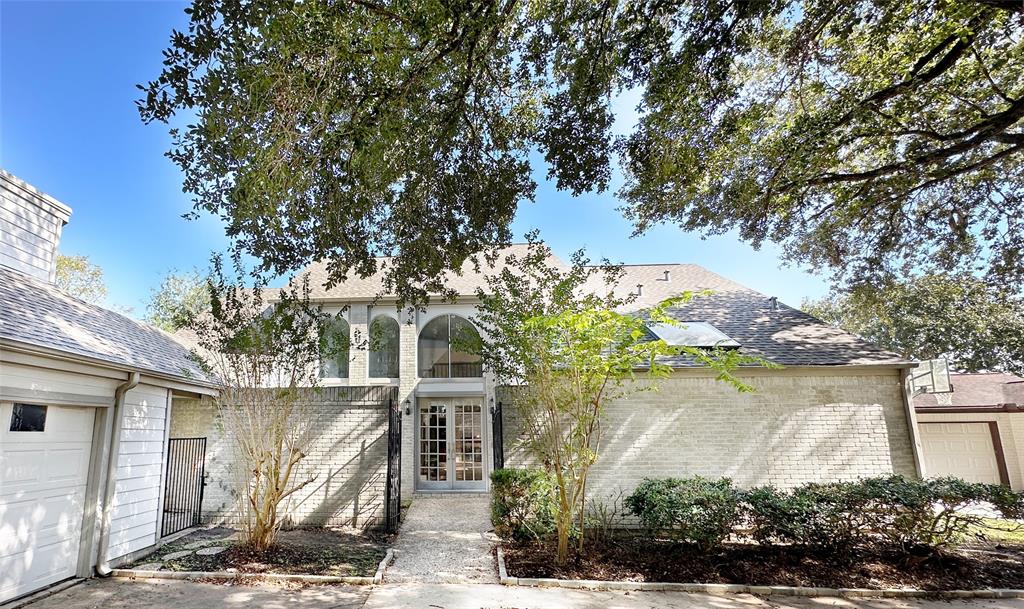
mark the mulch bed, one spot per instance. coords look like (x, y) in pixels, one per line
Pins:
(977, 566)
(300, 551)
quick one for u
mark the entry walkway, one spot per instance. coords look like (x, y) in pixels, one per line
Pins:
(445, 538)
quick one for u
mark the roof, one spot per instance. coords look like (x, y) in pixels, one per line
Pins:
(977, 389)
(783, 335)
(465, 282)
(35, 312)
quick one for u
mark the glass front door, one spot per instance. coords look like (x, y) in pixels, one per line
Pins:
(451, 444)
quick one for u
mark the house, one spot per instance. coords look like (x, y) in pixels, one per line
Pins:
(85, 396)
(837, 410)
(975, 431)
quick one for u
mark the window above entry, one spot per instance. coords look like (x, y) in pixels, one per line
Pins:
(692, 334)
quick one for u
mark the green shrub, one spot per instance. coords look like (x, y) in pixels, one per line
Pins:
(522, 503)
(888, 509)
(935, 512)
(693, 510)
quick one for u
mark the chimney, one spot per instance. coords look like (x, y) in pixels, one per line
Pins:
(773, 303)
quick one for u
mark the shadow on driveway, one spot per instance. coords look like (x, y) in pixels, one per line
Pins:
(117, 593)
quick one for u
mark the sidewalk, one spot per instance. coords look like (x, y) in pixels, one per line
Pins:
(445, 539)
(494, 596)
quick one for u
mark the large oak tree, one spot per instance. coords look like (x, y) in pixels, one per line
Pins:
(867, 137)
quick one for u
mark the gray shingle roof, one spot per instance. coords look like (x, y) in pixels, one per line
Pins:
(38, 313)
(785, 336)
(464, 283)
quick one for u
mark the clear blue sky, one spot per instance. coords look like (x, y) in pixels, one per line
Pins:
(68, 125)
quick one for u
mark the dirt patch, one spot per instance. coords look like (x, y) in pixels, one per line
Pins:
(300, 551)
(971, 567)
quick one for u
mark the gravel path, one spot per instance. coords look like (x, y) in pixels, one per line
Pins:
(445, 539)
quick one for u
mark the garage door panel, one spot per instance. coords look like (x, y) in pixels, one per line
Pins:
(43, 476)
(962, 450)
(40, 520)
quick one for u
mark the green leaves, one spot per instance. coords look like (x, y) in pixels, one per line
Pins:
(79, 277)
(866, 137)
(976, 326)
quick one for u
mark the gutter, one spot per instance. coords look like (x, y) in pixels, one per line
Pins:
(103, 568)
(913, 433)
(38, 350)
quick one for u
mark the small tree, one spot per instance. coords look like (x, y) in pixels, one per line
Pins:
(180, 298)
(267, 355)
(571, 350)
(78, 276)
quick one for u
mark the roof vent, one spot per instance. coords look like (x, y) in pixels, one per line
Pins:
(666, 276)
(639, 289)
(773, 303)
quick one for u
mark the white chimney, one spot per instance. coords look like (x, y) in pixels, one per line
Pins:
(36, 227)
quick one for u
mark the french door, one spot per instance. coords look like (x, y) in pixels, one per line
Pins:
(451, 444)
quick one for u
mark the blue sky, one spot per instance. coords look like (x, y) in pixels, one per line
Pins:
(68, 125)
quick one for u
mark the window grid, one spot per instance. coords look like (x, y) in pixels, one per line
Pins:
(433, 443)
(469, 446)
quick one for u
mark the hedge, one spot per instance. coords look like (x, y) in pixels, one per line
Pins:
(839, 516)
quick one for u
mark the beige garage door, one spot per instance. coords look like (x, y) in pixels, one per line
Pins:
(44, 467)
(963, 450)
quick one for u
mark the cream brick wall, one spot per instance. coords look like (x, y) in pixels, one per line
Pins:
(348, 457)
(1011, 434)
(407, 371)
(799, 426)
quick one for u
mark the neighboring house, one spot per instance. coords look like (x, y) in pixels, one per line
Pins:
(976, 431)
(84, 402)
(838, 410)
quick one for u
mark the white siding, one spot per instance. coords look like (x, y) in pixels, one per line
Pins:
(54, 386)
(30, 227)
(135, 511)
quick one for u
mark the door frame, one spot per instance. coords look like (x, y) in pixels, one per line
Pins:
(451, 485)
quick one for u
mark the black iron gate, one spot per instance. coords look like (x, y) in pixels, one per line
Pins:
(498, 436)
(183, 487)
(393, 490)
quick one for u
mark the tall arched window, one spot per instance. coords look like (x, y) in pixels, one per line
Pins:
(437, 357)
(334, 359)
(384, 348)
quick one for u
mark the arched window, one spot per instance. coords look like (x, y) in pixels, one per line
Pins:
(334, 359)
(384, 348)
(437, 357)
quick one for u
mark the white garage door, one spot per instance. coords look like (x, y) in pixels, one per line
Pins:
(42, 493)
(963, 450)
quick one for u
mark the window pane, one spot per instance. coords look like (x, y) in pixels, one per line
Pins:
(28, 417)
(384, 348)
(464, 365)
(335, 360)
(433, 349)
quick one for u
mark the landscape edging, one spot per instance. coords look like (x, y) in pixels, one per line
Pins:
(225, 575)
(723, 589)
(389, 556)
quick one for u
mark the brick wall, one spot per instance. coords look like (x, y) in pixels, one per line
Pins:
(799, 426)
(348, 456)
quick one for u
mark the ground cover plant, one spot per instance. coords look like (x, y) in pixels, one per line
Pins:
(314, 551)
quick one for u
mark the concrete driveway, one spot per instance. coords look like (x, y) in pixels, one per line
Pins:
(173, 594)
(115, 593)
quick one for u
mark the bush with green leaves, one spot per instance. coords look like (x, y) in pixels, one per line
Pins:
(889, 509)
(522, 503)
(694, 510)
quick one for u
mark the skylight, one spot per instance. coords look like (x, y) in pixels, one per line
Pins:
(692, 334)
